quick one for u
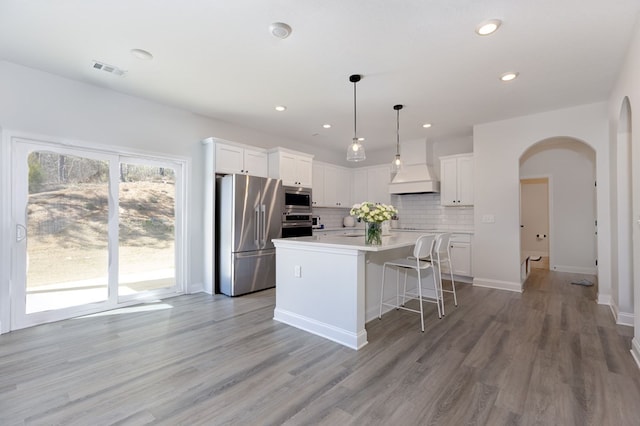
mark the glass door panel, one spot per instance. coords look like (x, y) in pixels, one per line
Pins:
(147, 223)
(66, 221)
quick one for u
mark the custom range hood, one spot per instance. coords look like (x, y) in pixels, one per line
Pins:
(416, 175)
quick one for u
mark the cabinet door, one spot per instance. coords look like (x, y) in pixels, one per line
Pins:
(288, 169)
(343, 188)
(448, 182)
(330, 186)
(358, 186)
(461, 258)
(255, 163)
(229, 159)
(465, 181)
(317, 183)
(304, 171)
(378, 185)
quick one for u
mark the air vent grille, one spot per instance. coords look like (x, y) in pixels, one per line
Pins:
(111, 69)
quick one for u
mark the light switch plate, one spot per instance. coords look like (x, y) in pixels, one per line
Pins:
(488, 218)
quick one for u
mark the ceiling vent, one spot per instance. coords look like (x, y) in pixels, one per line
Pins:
(108, 68)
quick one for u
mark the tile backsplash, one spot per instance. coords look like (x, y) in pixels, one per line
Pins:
(424, 211)
(421, 211)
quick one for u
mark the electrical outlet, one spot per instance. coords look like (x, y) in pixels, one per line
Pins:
(297, 271)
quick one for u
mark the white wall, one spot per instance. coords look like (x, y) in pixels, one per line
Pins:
(498, 147)
(40, 103)
(571, 166)
(628, 86)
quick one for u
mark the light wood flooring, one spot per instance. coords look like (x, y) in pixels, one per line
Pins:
(549, 356)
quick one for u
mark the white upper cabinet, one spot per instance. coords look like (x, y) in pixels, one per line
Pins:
(294, 168)
(378, 179)
(317, 185)
(456, 175)
(231, 158)
(359, 186)
(331, 186)
(371, 184)
(337, 186)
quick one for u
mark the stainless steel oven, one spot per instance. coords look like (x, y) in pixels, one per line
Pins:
(297, 199)
(296, 224)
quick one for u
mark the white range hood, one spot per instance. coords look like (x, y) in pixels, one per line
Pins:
(416, 175)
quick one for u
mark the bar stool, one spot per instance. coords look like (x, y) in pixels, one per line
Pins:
(423, 249)
(442, 254)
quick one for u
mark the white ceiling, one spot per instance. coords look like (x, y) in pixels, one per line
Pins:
(217, 58)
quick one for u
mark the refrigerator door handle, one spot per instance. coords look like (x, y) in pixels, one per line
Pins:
(257, 239)
(264, 225)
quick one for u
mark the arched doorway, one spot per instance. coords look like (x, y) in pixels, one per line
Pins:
(568, 166)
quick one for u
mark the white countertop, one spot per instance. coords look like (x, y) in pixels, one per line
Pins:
(428, 231)
(353, 241)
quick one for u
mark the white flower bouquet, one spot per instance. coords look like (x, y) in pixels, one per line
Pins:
(372, 212)
(373, 215)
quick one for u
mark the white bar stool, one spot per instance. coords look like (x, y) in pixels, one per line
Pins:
(423, 249)
(442, 254)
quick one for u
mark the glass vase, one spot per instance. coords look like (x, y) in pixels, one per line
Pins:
(373, 233)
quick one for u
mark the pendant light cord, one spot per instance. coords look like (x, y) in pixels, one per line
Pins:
(398, 132)
(355, 116)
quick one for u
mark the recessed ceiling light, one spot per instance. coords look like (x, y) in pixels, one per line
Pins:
(281, 108)
(426, 125)
(488, 27)
(509, 76)
(280, 30)
(326, 126)
(142, 54)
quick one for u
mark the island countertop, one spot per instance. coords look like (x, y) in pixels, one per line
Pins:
(353, 241)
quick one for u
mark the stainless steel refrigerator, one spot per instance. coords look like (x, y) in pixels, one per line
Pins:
(248, 216)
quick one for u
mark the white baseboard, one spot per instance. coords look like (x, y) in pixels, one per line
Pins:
(604, 299)
(625, 318)
(635, 351)
(621, 318)
(574, 269)
(339, 335)
(499, 285)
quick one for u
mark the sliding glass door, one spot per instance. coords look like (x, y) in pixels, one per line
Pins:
(147, 219)
(93, 230)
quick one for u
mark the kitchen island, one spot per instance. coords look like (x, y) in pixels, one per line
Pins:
(330, 285)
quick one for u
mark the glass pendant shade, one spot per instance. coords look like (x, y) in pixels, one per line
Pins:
(355, 152)
(396, 164)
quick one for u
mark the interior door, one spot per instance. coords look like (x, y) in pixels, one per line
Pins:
(534, 213)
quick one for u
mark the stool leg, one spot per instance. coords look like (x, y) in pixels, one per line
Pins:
(404, 293)
(398, 289)
(420, 297)
(435, 288)
(384, 267)
(453, 284)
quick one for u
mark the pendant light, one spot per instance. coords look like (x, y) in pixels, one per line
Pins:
(397, 164)
(355, 152)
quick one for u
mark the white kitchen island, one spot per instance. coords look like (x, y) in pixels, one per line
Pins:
(330, 285)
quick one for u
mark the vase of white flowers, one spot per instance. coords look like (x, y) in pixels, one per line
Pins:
(373, 215)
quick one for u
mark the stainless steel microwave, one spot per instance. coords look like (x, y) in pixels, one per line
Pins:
(297, 199)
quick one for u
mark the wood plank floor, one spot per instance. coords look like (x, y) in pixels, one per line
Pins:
(549, 356)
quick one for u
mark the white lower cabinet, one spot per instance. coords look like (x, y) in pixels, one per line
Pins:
(460, 249)
(461, 258)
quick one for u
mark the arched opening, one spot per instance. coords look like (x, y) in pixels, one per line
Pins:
(622, 250)
(566, 168)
